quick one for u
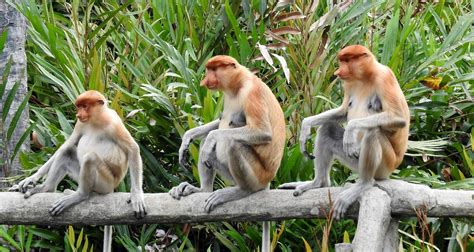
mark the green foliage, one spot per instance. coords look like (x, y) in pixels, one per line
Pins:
(73, 244)
(8, 126)
(147, 57)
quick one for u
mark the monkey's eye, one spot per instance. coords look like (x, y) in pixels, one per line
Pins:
(81, 106)
(211, 69)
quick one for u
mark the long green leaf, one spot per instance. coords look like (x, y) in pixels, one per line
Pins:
(9, 100)
(9, 239)
(391, 37)
(6, 72)
(3, 39)
(17, 115)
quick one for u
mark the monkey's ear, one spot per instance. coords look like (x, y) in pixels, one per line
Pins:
(101, 102)
(233, 65)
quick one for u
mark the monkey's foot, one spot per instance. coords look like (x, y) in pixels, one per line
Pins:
(138, 203)
(68, 191)
(34, 190)
(308, 186)
(224, 195)
(24, 185)
(292, 185)
(18, 188)
(301, 187)
(61, 204)
(182, 190)
(346, 198)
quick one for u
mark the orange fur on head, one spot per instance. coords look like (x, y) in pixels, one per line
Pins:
(355, 62)
(87, 101)
(221, 61)
(216, 79)
(89, 98)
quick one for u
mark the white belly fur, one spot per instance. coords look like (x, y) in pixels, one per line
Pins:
(106, 149)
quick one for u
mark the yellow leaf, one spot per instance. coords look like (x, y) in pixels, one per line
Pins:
(306, 246)
(70, 236)
(346, 238)
(277, 236)
(86, 244)
(79, 238)
(432, 82)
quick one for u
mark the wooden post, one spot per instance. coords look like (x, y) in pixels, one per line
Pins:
(391, 237)
(374, 219)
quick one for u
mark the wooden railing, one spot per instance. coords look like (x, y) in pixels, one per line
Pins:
(378, 210)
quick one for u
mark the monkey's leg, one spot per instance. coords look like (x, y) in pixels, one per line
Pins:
(369, 161)
(243, 167)
(328, 144)
(94, 176)
(206, 176)
(63, 164)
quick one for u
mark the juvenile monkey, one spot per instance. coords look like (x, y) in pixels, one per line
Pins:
(375, 139)
(245, 145)
(96, 155)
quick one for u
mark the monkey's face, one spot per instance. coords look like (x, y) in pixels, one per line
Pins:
(82, 113)
(218, 78)
(210, 81)
(86, 110)
(343, 71)
(355, 63)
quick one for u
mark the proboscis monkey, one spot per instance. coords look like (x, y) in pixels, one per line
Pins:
(245, 145)
(375, 139)
(96, 155)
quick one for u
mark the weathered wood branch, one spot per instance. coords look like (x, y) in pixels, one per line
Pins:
(264, 205)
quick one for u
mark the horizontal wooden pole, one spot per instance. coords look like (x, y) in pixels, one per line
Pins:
(264, 205)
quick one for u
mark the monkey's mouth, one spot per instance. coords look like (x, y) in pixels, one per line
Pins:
(212, 87)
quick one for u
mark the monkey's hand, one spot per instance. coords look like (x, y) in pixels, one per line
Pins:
(138, 204)
(208, 148)
(350, 145)
(183, 189)
(305, 133)
(184, 150)
(25, 184)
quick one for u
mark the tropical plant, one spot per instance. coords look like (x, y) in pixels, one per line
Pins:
(147, 57)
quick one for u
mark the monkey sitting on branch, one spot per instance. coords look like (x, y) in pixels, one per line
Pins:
(375, 139)
(245, 145)
(96, 155)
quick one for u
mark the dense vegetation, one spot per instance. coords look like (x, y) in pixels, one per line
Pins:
(147, 57)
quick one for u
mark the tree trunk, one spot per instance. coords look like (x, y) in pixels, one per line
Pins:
(14, 48)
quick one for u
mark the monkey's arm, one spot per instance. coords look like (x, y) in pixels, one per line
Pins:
(244, 135)
(384, 120)
(192, 134)
(23, 185)
(136, 176)
(334, 115)
(201, 131)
